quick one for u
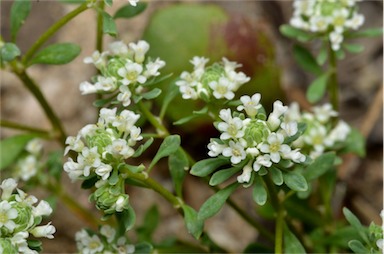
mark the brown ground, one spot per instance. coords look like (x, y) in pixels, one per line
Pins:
(361, 96)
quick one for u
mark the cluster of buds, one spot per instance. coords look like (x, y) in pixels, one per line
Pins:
(102, 149)
(330, 17)
(28, 164)
(321, 135)
(219, 80)
(124, 71)
(254, 140)
(19, 217)
(103, 242)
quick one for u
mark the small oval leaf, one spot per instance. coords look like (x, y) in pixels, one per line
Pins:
(178, 165)
(259, 192)
(129, 11)
(11, 148)
(317, 88)
(305, 59)
(205, 167)
(193, 224)
(56, 54)
(170, 145)
(109, 25)
(19, 12)
(222, 175)
(276, 175)
(295, 181)
(9, 51)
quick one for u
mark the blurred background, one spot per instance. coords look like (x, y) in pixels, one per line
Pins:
(244, 31)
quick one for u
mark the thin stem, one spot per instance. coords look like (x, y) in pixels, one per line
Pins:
(333, 88)
(277, 205)
(99, 29)
(22, 127)
(59, 132)
(156, 122)
(52, 30)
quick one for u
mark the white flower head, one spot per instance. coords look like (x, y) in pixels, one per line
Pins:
(108, 232)
(118, 48)
(42, 209)
(245, 177)
(89, 158)
(124, 96)
(251, 105)
(152, 68)
(131, 73)
(235, 151)
(275, 147)
(289, 128)
(73, 143)
(97, 58)
(133, 2)
(7, 215)
(262, 160)
(120, 148)
(336, 39)
(34, 146)
(105, 84)
(28, 167)
(44, 231)
(140, 49)
(223, 88)
(231, 129)
(324, 113)
(87, 88)
(8, 186)
(104, 170)
(215, 149)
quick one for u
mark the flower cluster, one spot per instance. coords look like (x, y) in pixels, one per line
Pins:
(320, 134)
(103, 242)
(19, 217)
(331, 17)
(219, 80)
(28, 164)
(102, 149)
(124, 71)
(254, 140)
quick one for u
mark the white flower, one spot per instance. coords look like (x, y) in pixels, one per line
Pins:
(134, 136)
(89, 158)
(44, 231)
(295, 156)
(275, 147)
(131, 73)
(133, 2)
(99, 60)
(380, 244)
(336, 39)
(262, 160)
(107, 116)
(28, 167)
(124, 96)
(152, 68)
(103, 170)
(88, 130)
(140, 49)
(7, 215)
(87, 244)
(106, 84)
(339, 133)
(118, 48)
(289, 128)
(274, 118)
(74, 169)
(316, 137)
(187, 91)
(108, 232)
(324, 113)
(121, 203)
(87, 88)
(215, 149)
(125, 120)
(230, 65)
(199, 65)
(22, 197)
(222, 88)
(319, 23)
(339, 18)
(34, 146)
(235, 151)
(250, 104)
(246, 175)
(42, 209)
(355, 22)
(237, 78)
(120, 148)
(74, 143)
(8, 186)
(231, 128)
(123, 248)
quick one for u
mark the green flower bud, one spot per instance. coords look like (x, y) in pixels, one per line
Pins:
(6, 246)
(256, 132)
(212, 73)
(101, 140)
(24, 219)
(113, 66)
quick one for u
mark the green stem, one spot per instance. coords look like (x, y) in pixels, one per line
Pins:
(41, 132)
(277, 205)
(333, 88)
(156, 122)
(99, 29)
(59, 132)
(52, 30)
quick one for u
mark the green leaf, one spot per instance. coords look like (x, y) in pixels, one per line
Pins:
(355, 222)
(127, 217)
(205, 167)
(257, 248)
(55, 164)
(194, 114)
(259, 192)
(295, 33)
(89, 183)
(170, 94)
(9, 51)
(129, 11)
(169, 146)
(178, 166)
(108, 2)
(317, 88)
(291, 243)
(150, 222)
(305, 59)
(141, 149)
(295, 181)
(143, 248)
(19, 12)
(276, 175)
(12, 147)
(222, 175)
(353, 48)
(60, 53)
(357, 247)
(370, 32)
(340, 54)
(109, 25)
(320, 165)
(216, 202)
(322, 56)
(192, 223)
(355, 143)
(152, 94)
(35, 245)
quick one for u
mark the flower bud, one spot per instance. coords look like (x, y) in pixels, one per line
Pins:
(44, 231)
